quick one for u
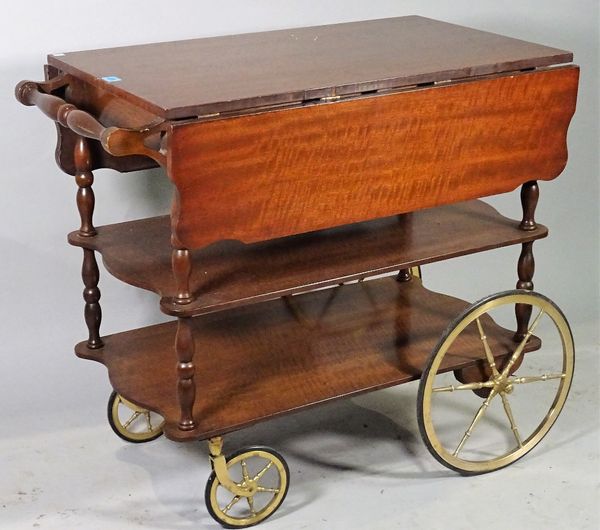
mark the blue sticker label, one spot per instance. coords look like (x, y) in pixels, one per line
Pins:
(111, 79)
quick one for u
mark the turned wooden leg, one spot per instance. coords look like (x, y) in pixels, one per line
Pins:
(530, 194)
(181, 263)
(525, 269)
(186, 388)
(84, 179)
(91, 295)
(89, 270)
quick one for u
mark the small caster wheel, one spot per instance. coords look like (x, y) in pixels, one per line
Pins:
(132, 423)
(492, 420)
(259, 470)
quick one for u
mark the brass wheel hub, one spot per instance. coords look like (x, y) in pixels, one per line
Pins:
(251, 487)
(503, 385)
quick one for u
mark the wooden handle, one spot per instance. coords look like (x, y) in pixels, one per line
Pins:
(116, 141)
(85, 124)
(29, 93)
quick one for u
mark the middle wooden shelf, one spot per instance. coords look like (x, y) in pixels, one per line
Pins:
(265, 360)
(229, 274)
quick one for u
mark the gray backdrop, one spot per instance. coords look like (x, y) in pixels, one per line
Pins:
(41, 305)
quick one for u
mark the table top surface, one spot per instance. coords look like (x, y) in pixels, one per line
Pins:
(203, 76)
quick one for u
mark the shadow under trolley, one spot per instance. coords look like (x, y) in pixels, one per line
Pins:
(305, 161)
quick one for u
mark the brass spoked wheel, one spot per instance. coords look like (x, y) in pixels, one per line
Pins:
(497, 408)
(132, 423)
(265, 477)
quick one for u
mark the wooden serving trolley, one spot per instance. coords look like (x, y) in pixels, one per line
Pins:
(303, 162)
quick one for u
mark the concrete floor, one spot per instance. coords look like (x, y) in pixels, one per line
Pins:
(355, 463)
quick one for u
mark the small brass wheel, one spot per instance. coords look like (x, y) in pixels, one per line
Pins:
(525, 384)
(416, 272)
(263, 473)
(132, 423)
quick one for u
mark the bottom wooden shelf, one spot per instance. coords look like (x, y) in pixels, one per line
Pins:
(256, 362)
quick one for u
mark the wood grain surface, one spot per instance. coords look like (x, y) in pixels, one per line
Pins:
(203, 76)
(274, 174)
(261, 361)
(230, 273)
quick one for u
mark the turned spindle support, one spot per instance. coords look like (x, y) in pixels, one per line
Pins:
(525, 270)
(84, 179)
(181, 262)
(89, 270)
(530, 193)
(186, 387)
(91, 295)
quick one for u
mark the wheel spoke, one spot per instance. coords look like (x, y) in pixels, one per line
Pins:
(260, 489)
(251, 505)
(466, 386)
(134, 416)
(511, 419)
(263, 471)
(488, 351)
(517, 353)
(476, 419)
(535, 378)
(148, 421)
(245, 474)
(231, 503)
